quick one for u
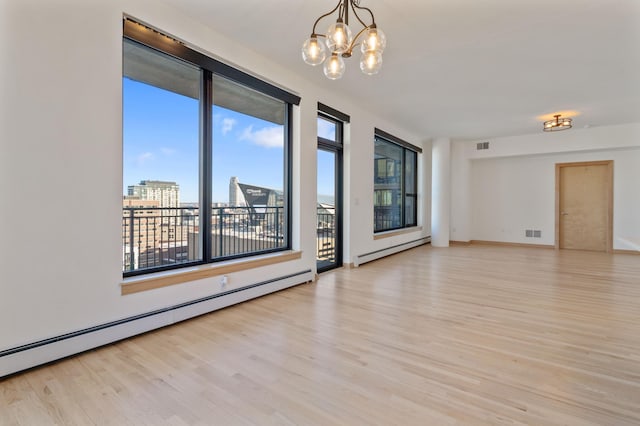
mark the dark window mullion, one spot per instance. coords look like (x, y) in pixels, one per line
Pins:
(206, 169)
(403, 188)
(415, 188)
(288, 164)
(339, 197)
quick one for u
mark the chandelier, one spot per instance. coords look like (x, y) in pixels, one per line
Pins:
(557, 124)
(340, 42)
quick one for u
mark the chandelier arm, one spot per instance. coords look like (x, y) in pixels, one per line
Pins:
(355, 6)
(313, 32)
(355, 39)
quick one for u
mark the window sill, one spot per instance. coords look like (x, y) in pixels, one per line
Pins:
(395, 232)
(165, 279)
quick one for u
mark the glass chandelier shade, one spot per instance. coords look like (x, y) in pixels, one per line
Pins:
(313, 51)
(371, 62)
(340, 42)
(374, 40)
(339, 37)
(334, 66)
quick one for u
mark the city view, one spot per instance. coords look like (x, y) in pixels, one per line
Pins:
(163, 158)
(158, 230)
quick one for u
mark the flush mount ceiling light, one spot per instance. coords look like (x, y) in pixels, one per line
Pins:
(340, 42)
(557, 124)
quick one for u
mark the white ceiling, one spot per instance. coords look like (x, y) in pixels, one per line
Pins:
(467, 69)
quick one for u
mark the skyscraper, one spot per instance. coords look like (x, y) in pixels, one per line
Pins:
(167, 193)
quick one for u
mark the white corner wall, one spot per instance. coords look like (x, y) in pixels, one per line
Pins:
(441, 192)
(501, 192)
(61, 166)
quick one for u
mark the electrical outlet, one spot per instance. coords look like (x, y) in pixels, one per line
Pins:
(224, 280)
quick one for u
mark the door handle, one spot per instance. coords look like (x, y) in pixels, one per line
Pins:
(564, 214)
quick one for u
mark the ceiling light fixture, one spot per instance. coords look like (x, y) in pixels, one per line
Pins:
(340, 42)
(557, 124)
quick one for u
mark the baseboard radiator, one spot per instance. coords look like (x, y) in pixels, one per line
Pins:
(368, 257)
(23, 357)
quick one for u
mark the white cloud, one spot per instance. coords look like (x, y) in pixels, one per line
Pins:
(227, 125)
(144, 158)
(268, 137)
(167, 151)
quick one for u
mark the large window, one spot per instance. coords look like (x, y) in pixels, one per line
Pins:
(395, 183)
(206, 158)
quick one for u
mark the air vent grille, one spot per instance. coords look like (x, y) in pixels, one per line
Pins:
(482, 145)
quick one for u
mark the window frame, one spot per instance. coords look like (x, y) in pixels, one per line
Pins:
(143, 35)
(407, 194)
(339, 119)
(405, 147)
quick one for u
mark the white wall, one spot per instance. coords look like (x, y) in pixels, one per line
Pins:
(500, 192)
(441, 192)
(61, 166)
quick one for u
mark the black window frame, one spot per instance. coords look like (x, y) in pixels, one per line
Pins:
(406, 147)
(141, 34)
(339, 119)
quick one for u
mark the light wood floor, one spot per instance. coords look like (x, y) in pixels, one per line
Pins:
(465, 335)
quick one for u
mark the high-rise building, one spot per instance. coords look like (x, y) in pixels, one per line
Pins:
(236, 198)
(167, 193)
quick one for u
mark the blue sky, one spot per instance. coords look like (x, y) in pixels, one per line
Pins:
(326, 129)
(326, 163)
(326, 176)
(161, 131)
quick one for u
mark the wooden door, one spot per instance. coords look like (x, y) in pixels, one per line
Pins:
(584, 204)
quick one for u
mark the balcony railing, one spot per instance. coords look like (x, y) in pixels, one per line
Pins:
(326, 236)
(157, 237)
(386, 217)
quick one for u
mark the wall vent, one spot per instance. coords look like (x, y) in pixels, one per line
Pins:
(533, 233)
(482, 145)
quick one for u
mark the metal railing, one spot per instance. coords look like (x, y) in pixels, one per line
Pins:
(386, 217)
(240, 230)
(155, 237)
(326, 235)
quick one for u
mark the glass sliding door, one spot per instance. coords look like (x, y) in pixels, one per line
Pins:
(327, 226)
(329, 198)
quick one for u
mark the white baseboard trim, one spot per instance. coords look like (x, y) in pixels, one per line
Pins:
(374, 255)
(37, 353)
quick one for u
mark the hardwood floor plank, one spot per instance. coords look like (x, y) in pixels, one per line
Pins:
(463, 335)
